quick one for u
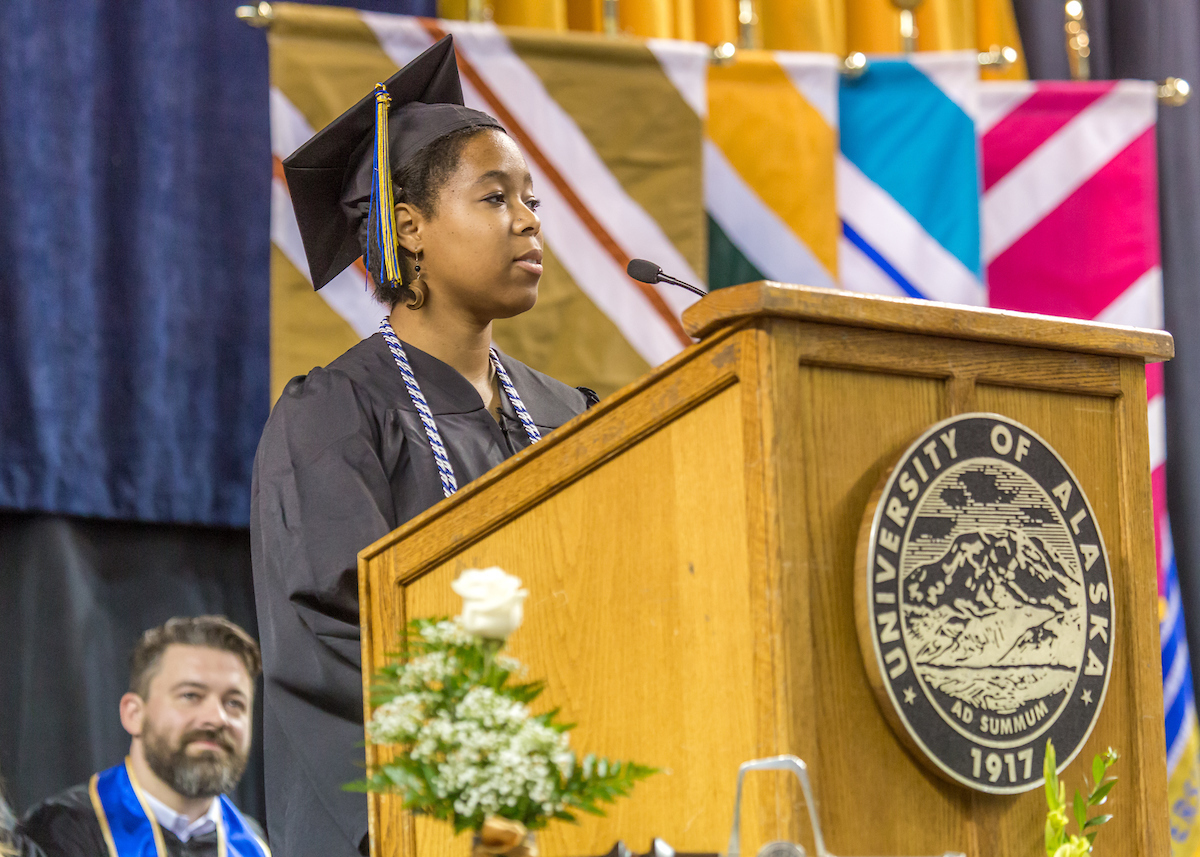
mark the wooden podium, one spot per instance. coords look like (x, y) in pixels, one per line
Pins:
(689, 546)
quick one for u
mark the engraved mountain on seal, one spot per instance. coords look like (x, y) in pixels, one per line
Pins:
(997, 621)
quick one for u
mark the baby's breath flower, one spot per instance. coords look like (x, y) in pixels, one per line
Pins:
(491, 710)
(430, 670)
(564, 760)
(511, 665)
(448, 632)
(397, 721)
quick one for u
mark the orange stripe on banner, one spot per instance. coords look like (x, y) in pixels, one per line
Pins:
(277, 172)
(527, 142)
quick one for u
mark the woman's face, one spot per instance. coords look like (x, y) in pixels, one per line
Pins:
(482, 248)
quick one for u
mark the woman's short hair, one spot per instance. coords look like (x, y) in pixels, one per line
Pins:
(418, 183)
(213, 632)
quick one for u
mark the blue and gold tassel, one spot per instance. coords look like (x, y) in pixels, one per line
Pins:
(383, 228)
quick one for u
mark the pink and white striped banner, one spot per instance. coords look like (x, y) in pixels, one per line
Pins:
(1070, 202)
(1070, 227)
(1070, 214)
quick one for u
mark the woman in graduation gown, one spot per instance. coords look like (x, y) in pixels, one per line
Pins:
(347, 455)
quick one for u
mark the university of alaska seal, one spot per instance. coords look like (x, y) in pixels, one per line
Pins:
(984, 603)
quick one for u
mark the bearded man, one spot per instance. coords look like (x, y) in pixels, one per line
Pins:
(188, 712)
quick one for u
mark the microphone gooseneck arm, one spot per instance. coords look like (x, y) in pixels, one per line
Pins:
(647, 272)
(663, 278)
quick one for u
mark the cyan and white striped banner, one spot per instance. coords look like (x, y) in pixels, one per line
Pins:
(908, 179)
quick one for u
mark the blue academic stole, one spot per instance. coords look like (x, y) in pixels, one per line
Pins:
(131, 830)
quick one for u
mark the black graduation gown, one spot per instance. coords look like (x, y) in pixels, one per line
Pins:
(19, 846)
(65, 825)
(344, 460)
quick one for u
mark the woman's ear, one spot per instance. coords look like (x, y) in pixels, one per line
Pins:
(409, 223)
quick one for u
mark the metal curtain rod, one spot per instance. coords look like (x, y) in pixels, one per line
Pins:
(260, 15)
(1172, 92)
(856, 63)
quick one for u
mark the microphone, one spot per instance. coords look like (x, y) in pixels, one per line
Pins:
(647, 272)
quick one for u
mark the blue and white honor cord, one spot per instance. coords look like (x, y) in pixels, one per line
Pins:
(509, 390)
(440, 456)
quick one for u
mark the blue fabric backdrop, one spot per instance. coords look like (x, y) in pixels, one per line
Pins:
(135, 172)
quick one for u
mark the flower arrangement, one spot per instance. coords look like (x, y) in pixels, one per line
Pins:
(1058, 843)
(469, 748)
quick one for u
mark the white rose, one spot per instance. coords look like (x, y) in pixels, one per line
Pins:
(492, 601)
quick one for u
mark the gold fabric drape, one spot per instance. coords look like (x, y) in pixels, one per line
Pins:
(804, 25)
(873, 26)
(830, 26)
(546, 14)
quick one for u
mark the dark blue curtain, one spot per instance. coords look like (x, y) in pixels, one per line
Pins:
(134, 179)
(135, 170)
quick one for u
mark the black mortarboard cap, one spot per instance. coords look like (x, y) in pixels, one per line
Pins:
(340, 207)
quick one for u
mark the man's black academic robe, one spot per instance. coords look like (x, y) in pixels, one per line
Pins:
(344, 460)
(65, 825)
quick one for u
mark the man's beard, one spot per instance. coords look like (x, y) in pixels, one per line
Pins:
(206, 775)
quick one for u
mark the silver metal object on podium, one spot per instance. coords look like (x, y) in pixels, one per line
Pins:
(796, 766)
(782, 849)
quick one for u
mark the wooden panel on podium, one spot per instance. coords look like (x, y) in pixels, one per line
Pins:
(689, 546)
